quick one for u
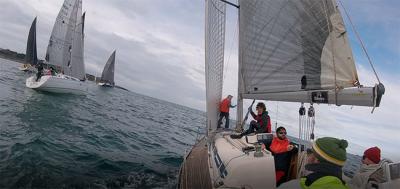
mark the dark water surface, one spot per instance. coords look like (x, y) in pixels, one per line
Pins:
(110, 138)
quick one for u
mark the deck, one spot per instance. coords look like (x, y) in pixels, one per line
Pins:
(195, 171)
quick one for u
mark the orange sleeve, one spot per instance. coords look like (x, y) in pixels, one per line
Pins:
(279, 146)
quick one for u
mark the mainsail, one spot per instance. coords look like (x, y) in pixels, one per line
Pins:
(107, 76)
(65, 48)
(77, 66)
(298, 51)
(31, 50)
(214, 57)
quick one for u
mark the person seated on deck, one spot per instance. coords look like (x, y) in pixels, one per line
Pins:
(261, 124)
(324, 165)
(281, 149)
(370, 171)
(53, 71)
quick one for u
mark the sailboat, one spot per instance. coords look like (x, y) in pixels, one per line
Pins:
(107, 76)
(65, 53)
(290, 51)
(31, 50)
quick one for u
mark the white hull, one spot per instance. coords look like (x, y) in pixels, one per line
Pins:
(230, 167)
(105, 85)
(57, 84)
(231, 163)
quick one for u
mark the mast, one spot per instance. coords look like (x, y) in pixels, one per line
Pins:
(239, 109)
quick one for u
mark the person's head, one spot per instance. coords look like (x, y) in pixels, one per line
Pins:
(281, 133)
(330, 150)
(260, 108)
(371, 156)
(230, 97)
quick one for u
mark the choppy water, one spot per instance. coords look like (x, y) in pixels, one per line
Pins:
(109, 138)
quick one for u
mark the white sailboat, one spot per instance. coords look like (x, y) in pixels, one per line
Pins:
(31, 50)
(65, 53)
(107, 76)
(292, 51)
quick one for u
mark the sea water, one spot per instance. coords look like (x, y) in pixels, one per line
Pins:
(109, 138)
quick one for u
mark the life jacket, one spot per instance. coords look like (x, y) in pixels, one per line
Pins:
(326, 182)
(278, 145)
(224, 106)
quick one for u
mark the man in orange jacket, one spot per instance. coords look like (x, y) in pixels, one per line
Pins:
(280, 147)
(224, 111)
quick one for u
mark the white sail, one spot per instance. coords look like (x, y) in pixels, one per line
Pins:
(77, 66)
(60, 43)
(107, 76)
(214, 58)
(289, 47)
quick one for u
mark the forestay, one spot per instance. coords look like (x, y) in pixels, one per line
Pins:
(214, 57)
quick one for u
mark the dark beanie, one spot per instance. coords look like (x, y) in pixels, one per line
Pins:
(331, 149)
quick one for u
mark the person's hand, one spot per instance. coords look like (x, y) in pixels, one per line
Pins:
(290, 147)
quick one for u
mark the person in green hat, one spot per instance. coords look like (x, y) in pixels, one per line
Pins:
(324, 164)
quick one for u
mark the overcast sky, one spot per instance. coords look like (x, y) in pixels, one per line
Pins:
(160, 53)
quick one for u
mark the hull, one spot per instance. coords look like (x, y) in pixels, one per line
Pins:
(105, 85)
(57, 84)
(26, 67)
(228, 164)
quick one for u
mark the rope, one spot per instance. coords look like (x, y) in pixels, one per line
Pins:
(361, 42)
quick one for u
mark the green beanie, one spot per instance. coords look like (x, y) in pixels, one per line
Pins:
(331, 149)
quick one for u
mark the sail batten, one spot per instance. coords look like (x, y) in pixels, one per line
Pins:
(293, 46)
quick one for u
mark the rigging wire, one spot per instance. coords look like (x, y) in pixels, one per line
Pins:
(359, 39)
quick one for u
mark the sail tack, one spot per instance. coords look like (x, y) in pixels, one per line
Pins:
(31, 49)
(107, 76)
(293, 45)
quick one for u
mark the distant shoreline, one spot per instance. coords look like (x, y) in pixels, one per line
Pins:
(12, 55)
